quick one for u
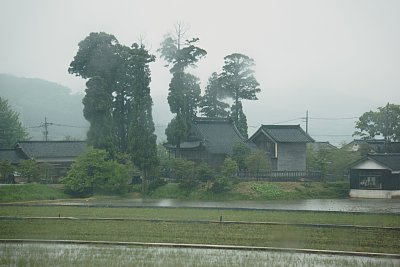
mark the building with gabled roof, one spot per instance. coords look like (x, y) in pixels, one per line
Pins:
(375, 176)
(373, 146)
(210, 140)
(284, 144)
(318, 146)
(58, 154)
(12, 155)
(52, 151)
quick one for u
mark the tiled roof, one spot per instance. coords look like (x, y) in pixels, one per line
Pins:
(52, 149)
(186, 145)
(391, 161)
(219, 135)
(376, 145)
(12, 155)
(285, 133)
(317, 146)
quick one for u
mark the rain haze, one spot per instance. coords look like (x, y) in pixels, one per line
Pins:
(336, 59)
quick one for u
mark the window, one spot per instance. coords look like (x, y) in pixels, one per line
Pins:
(370, 180)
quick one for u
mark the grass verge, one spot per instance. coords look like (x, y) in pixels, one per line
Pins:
(26, 192)
(256, 190)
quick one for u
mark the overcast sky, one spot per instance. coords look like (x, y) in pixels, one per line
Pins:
(336, 59)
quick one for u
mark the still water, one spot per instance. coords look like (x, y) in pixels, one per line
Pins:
(342, 205)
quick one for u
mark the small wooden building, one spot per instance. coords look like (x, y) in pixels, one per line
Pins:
(209, 141)
(59, 154)
(375, 176)
(284, 144)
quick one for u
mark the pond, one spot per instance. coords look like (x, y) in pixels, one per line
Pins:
(36, 254)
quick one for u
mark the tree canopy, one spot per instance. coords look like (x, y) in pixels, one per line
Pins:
(384, 122)
(94, 172)
(11, 129)
(211, 104)
(239, 83)
(178, 52)
(117, 103)
(184, 88)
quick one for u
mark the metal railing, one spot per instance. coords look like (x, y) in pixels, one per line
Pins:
(281, 176)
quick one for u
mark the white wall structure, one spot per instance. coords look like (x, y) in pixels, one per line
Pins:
(359, 193)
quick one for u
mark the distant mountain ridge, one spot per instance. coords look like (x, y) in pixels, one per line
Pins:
(34, 99)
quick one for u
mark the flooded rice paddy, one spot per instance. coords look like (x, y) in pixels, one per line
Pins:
(340, 205)
(29, 254)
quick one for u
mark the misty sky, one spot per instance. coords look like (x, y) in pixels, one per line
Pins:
(336, 59)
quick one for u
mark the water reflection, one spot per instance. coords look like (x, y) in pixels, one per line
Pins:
(343, 205)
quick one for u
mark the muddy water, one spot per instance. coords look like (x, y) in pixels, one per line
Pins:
(342, 205)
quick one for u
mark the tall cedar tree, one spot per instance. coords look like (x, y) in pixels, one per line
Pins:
(238, 82)
(184, 89)
(97, 109)
(117, 102)
(238, 114)
(142, 140)
(11, 129)
(210, 104)
(97, 61)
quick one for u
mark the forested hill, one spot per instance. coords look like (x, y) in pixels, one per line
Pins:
(35, 99)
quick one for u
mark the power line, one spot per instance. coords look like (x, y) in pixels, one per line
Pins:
(288, 121)
(46, 125)
(331, 134)
(335, 119)
(72, 126)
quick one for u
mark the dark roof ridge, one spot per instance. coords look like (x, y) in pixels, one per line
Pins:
(211, 120)
(383, 154)
(382, 159)
(52, 141)
(281, 126)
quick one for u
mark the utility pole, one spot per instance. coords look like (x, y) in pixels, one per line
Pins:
(307, 121)
(386, 126)
(46, 130)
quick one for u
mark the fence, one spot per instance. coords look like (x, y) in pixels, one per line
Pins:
(282, 176)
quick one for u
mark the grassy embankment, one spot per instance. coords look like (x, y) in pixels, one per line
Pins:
(368, 240)
(236, 191)
(26, 192)
(256, 191)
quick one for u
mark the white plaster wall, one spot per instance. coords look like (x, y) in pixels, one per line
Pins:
(357, 193)
(369, 165)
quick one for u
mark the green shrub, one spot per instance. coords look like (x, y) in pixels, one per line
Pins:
(204, 173)
(268, 190)
(220, 185)
(257, 161)
(94, 172)
(156, 183)
(188, 184)
(229, 168)
(181, 169)
(29, 170)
